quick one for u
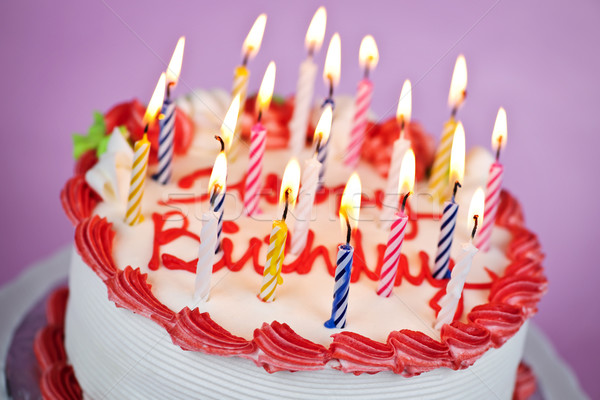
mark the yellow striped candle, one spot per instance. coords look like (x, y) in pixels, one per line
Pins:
(138, 176)
(287, 198)
(272, 272)
(240, 86)
(438, 181)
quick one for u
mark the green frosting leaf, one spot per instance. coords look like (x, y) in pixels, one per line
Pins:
(94, 138)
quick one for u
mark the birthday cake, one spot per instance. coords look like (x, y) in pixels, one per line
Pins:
(182, 287)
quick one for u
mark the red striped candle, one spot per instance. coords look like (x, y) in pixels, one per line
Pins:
(392, 255)
(359, 124)
(257, 150)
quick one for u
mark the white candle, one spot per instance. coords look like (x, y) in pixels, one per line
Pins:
(206, 255)
(306, 82)
(455, 285)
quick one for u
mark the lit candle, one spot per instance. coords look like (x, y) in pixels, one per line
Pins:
(275, 254)
(258, 139)
(460, 271)
(306, 81)
(457, 171)
(133, 215)
(331, 75)
(208, 234)
(494, 183)
(401, 146)
(396, 236)
(250, 48)
(440, 168)
(349, 213)
(167, 123)
(310, 182)
(226, 138)
(368, 57)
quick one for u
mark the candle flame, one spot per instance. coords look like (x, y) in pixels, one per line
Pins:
(218, 176)
(156, 101)
(458, 85)
(333, 60)
(228, 125)
(476, 208)
(368, 54)
(290, 183)
(316, 30)
(252, 42)
(265, 93)
(404, 103)
(500, 130)
(324, 125)
(350, 205)
(174, 68)
(406, 183)
(457, 156)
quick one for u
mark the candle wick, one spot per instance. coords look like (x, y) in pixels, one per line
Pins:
(454, 110)
(311, 50)
(456, 186)
(287, 203)
(259, 114)
(169, 89)
(213, 195)
(404, 201)
(221, 141)
(475, 217)
(146, 128)
(348, 231)
(498, 149)
(330, 86)
(246, 57)
(318, 146)
(367, 70)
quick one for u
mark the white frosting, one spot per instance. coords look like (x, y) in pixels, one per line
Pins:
(119, 355)
(105, 343)
(110, 176)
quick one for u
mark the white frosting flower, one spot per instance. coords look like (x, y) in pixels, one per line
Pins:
(111, 175)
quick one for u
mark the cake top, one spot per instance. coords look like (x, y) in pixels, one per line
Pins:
(150, 267)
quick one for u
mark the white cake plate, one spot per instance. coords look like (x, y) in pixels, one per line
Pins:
(556, 380)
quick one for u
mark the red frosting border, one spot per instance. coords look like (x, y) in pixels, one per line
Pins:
(513, 298)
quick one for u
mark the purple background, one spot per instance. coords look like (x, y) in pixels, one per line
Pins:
(539, 59)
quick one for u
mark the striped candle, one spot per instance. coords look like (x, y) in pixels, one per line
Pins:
(438, 181)
(359, 122)
(165, 142)
(455, 286)
(240, 85)
(390, 203)
(442, 257)
(133, 215)
(218, 208)
(492, 199)
(306, 199)
(253, 182)
(342, 287)
(392, 255)
(206, 255)
(302, 105)
(272, 272)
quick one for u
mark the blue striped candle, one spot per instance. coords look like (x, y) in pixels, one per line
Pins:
(219, 207)
(442, 258)
(165, 142)
(341, 288)
(323, 149)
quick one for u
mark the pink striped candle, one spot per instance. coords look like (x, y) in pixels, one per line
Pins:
(368, 57)
(392, 255)
(359, 123)
(494, 184)
(258, 140)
